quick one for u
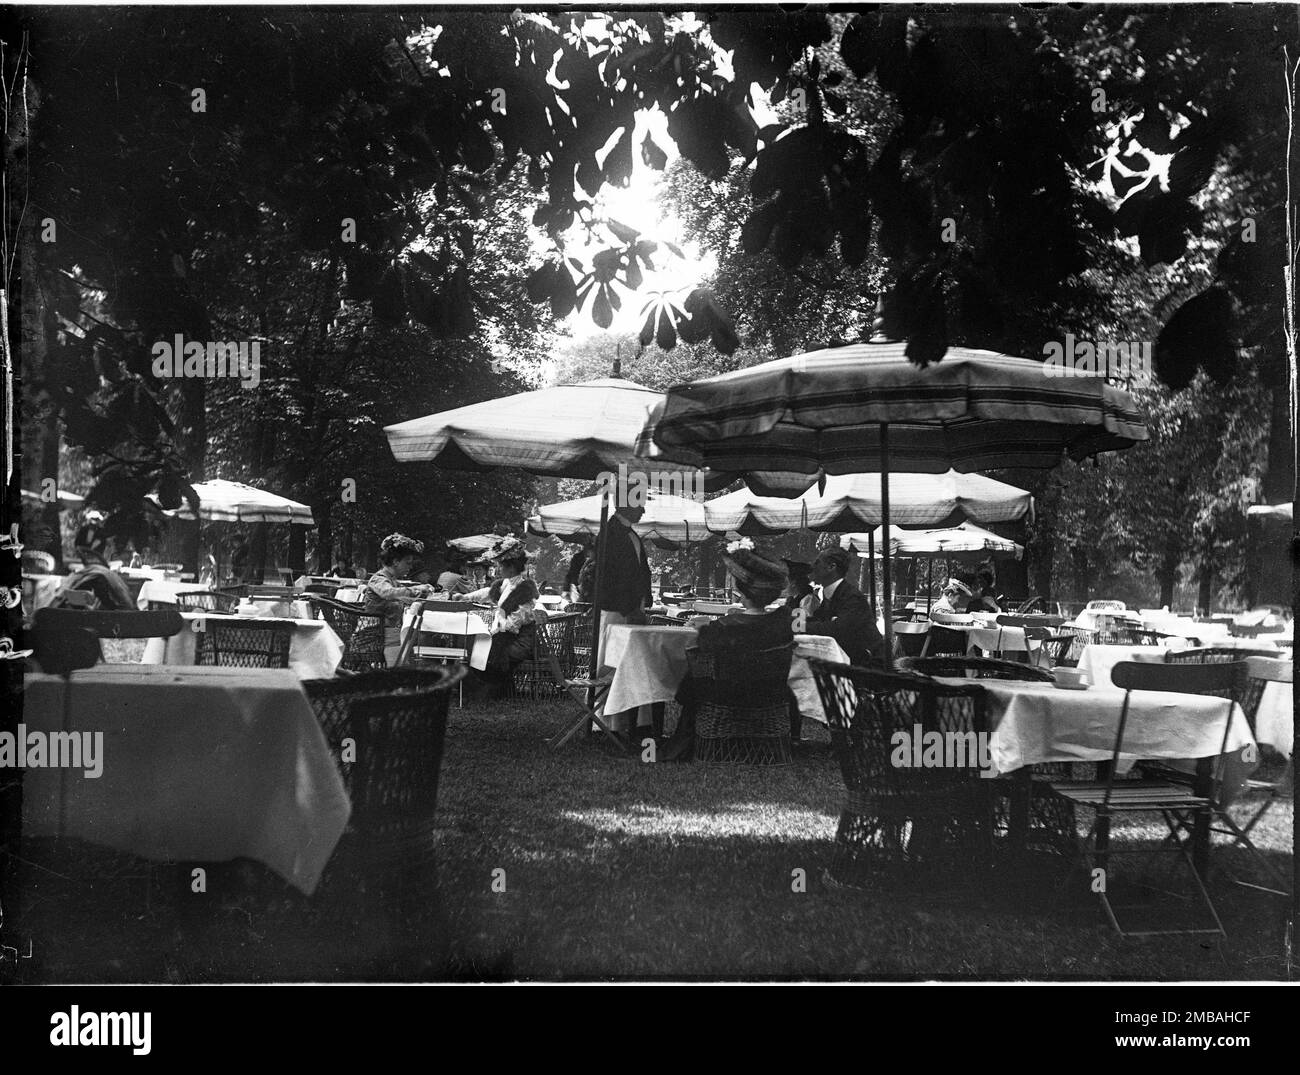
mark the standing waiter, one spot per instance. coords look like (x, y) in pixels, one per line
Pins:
(623, 587)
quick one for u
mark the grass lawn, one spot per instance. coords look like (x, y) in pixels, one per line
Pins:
(616, 869)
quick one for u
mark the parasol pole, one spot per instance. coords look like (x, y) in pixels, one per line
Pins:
(595, 590)
(929, 583)
(885, 566)
(871, 570)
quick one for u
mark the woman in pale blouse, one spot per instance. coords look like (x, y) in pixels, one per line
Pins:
(514, 597)
(384, 597)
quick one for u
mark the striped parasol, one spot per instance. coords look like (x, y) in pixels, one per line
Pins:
(853, 501)
(669, 520)
(865, 407)
(223, 501)
(966, 541)
(567, 431)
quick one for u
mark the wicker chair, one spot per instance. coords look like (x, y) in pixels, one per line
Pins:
(542, 672)
(975, 668)
(206, 601)
(900, 815)
(1049, 823)
(756, 729)
(1138, 636)
(230, 641)
(577, 662)
(1216, 655)
(362, 634)
(396, 721)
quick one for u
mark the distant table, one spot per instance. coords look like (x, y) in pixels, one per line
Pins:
(164, 591)
(649, 664)
(314, 649)
(198, 765)
(1274, 722)
(988, 635)
(460, 625)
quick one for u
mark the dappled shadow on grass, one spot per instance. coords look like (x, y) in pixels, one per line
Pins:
(619, 869)
(585, 864)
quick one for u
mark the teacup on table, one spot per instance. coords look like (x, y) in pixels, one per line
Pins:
(1070, 679)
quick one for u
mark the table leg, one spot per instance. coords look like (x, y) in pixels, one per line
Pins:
(1018, 818)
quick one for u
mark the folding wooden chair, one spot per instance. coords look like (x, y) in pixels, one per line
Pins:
(1181, 807)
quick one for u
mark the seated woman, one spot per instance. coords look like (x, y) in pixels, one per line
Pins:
(983, 599)
(760, 580)
(454, 579)
(384, 597)
(513, 629)
(953, 599)
(95, 576)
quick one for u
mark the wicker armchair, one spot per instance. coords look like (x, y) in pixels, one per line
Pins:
(206, 601)
(230, 641)
(397, 721)
(755, 728)
(897, 815)
(362, 633)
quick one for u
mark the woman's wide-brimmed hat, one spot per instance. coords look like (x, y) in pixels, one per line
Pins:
(402, 544)
(959, 586)
(508, 548)
(754, 570)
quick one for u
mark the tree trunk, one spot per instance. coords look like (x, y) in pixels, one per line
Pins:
(297, 550)
(1082, 573)
(257, 552)
(1205, 585)
(324, 536)
(194, 421)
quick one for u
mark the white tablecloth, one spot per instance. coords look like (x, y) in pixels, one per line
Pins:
(1274, 722)
(460, 624)
(1096, 661)
(802, 684)
(199, 764)
(1039, 722)
(164, 591)
(314, 650)
(1186, 627)
(649, 665)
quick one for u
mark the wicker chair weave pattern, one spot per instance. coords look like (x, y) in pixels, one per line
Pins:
(230, 642)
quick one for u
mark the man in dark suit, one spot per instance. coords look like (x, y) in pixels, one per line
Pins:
(623, 593)
(622, 570)
(844, 611)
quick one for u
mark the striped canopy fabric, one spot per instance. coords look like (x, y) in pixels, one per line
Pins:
(475, 544)
(966, 541)
(568, 431)
(853, 501)
(974, 410)
(668, 520)
(234, 502)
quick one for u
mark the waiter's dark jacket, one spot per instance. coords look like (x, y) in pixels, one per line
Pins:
(622, 571)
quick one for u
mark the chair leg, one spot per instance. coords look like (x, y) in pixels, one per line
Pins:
(588, 717)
